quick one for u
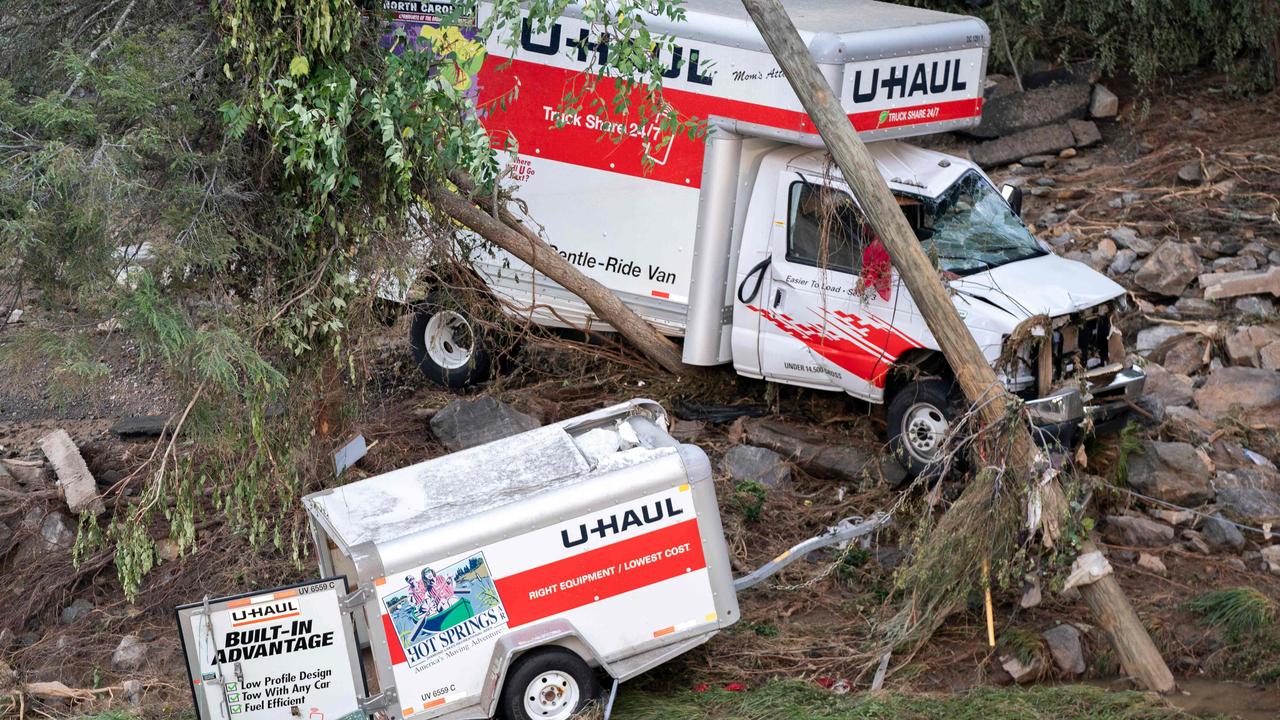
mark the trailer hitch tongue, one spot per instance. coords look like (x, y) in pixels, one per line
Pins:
(844, 531)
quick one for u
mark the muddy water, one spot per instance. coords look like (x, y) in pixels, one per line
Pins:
(1223, 698)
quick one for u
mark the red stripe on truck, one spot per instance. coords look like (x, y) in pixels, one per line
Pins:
(866, 347)
(601, 573)
(589, 141)
(393, 640)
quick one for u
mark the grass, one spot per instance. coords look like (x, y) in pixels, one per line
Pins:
(1237, 611)
(795, 700)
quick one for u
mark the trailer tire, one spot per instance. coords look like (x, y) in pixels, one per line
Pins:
(918, 418)
(548, 684)
(449, 348)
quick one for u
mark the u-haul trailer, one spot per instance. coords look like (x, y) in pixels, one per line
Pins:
(720, 240)
(499, 579)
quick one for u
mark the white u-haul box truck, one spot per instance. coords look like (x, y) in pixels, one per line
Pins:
(499, 578)
(748, 244)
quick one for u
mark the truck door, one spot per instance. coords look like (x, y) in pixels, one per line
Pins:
(831, 298)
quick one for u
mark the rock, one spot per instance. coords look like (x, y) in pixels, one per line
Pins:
(74, 479)
(129, 654)
(1250, 506)
(1191, 174)
(132, 691)
(1151, 563)
(1194, 542)
(1234, 264)
(1106, 249)
(1036, 161)
(77, 610)
(54, 531)
(1253, 391)
(1269, 357)
(1016, 112)
(1172, 517)
(1245, 343)
(1228, 285)
(1187, 355)
(892, 472)
(1173, 389)
(1038, 141)
(1171, 471)
(137, 426)
(1191, 421)
(1067, 153)
(31, 473)
(1122, 262)
(1031, 597)
(1193, 307)
(1103, 103)
(1271, 557)
(470, 422)
(1255, 306)
(1169, 269)
(1064, 645)
(1020, 672)
(746, 463)
(687, 431)
(1139, 531)
(1221, 534)
(1085, 132)
(1153, 337)
(810, 451)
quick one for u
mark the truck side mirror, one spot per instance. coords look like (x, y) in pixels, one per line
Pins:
(1013, 195)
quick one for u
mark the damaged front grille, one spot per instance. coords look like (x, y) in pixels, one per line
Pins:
(1082, 348)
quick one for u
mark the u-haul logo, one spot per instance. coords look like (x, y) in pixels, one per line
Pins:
(265, 612)
(619, 523)
(908, 80)
(582, 48)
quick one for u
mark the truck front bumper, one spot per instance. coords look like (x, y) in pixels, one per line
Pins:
(1060, 414)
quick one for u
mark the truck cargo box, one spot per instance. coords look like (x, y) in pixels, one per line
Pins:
(622, 205)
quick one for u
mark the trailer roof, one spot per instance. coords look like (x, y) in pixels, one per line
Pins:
(834, 16)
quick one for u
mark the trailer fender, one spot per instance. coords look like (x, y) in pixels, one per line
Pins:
(558, 632)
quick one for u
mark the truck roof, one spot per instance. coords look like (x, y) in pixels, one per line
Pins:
(905, 167)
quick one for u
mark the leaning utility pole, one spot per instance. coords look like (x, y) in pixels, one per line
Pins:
(1136, 651)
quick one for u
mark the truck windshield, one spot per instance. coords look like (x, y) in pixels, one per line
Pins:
(969, 228)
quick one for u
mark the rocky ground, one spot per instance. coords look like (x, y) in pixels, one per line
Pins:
(1175, 198)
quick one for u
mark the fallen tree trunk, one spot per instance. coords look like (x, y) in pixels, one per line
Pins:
(1136, 651)
(512, 236)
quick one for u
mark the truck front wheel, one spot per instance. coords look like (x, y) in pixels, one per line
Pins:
(447, 346)
(919, 416)
(548, 684)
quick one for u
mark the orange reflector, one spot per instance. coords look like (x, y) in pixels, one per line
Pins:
(434, 703)
(660, 294)
(380, 581)
(240, 603)
(664, 631)
(284, 594)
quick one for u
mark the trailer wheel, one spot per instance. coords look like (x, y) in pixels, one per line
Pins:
(449, 348)
(919, 416)
(548, 684)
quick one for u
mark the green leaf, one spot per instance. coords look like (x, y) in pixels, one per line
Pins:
(299, 66)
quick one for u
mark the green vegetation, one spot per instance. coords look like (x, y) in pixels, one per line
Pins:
(1152, 40)
(1247, 620)
(749, 496)
(795, 700)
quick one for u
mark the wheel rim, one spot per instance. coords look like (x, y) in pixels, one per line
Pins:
(552, 694)
(448, 339)
(923, 428)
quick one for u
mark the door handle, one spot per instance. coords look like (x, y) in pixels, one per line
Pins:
(777, 297)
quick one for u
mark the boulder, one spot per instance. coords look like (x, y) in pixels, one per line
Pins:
(1269, 357)
(1169, 269)
(470, 422)
(76, 611)
(140, 426)
(75, 482)
(1122, 262)
(746, 463)
(1085, 132)
(1255, 306)
(1127, 237)
(1191, 421)
(1064, 645)
(1187, 355)
(1009, 113)
(47, 532)
(1249, 495)
(129, 654)
(1271, 558)
(1221, 534)
(1252, 391)
(1171, 471)
(1191, 174)
(1173, 389)
(1138, 531)
(1038, 141)
(1103, 103)
(1245, 344)
(1150, 338)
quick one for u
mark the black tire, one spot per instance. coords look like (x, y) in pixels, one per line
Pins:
(916, 414)
(458, 353)
(547, 667)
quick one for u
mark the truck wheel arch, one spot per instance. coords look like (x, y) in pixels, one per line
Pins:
(915, 364)
(513, 645)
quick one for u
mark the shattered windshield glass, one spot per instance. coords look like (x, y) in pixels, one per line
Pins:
(970, 228)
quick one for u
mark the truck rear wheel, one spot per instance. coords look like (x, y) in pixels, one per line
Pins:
(547, 684)
(447, 346)
(919, 416)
